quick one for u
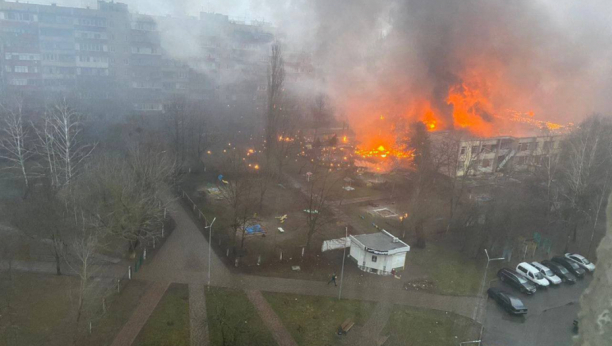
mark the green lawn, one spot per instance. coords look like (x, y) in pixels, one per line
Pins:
(451, 272)
(313, 321)
(232, 317)
(35, 309)
(169, 322)
(412, 326)
(38, 309)
(120, 309)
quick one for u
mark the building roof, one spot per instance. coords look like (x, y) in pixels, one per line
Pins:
(382, 241)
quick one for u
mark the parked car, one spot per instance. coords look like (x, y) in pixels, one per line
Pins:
(581, 261)
(507, 301)
(570, 265)
(548, 274)
(532, 274)
(516, 281)
(560, 271)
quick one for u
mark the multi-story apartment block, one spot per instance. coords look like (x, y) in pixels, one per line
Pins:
(110, 53)
(491, 155)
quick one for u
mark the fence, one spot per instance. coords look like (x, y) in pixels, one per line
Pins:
(108, 286)
(224, 244)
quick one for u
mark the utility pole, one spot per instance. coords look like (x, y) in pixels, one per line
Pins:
(209, 250)
(484, 279)
(343, 258)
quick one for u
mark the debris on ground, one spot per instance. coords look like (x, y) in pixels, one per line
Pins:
(419, 285)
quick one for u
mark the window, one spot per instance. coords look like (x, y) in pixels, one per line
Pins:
(21, 69)
(18, 81)
(374, 258)
(462, 152)
(485, 163)
(523, 147)
(475, 149)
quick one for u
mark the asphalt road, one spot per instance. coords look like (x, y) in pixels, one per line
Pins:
(547, 323)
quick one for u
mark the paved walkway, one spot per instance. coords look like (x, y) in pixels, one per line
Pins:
(270, 319)
(198, 323)
(184, 259)
(145, 308)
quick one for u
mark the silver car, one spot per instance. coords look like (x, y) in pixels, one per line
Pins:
(548, 274)
(581, 261)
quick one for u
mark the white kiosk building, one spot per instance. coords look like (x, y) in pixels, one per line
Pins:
(378, 253)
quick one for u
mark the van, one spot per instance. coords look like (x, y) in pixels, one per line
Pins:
(532, 274)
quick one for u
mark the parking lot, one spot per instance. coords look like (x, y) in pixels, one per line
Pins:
(547, 323)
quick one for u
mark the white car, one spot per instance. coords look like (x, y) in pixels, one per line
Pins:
(581, 261)
(548, 274)
(532, 274)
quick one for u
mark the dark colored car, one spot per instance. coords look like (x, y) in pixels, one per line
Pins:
(560, 271)
(507, 301)
(571, 266)
(515, 280)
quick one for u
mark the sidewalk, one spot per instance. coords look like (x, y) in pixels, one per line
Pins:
(270, 319)
(145, 308)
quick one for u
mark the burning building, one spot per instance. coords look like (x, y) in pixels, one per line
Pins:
(504, 154)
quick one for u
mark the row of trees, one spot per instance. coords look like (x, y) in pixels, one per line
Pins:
(78, 197)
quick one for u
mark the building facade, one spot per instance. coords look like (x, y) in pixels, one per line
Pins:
(110, 53)
(492, 155)
(379, 253)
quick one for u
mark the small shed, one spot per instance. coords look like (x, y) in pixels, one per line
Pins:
(378, 253)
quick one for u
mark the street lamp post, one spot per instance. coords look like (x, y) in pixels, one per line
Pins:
(209, 251)
(484, 279)
(343, 258)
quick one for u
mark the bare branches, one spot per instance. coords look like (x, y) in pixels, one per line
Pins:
(276, 79)
(121, 195)
(61, 145)
(237, 192)
(317, 204)
(14, 140)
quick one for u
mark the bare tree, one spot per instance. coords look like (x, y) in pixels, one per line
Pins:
(584, 162)
(448, 160)
(236, 191)
(276, 79)
(15, 141)
(317, 207)
(42, 217)
(288, 128)
(320, 112)
(124, 195)
(177, 113)
(86, 242)
(61, 144)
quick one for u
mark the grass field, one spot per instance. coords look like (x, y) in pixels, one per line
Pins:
(413, 326)
(314, 320)
(169, 322)
(232, 317)
(38, 309)
(450, 271)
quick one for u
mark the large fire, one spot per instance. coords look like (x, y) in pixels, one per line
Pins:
(472, 111)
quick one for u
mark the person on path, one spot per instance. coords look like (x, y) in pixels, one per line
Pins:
(333, 279)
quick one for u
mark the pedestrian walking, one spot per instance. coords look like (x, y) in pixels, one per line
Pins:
(333, 279)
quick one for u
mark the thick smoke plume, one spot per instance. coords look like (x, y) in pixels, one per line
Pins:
(449, 63)
(465, 63)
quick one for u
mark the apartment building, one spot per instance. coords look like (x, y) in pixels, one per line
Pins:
(110, 53)
(497, 154)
